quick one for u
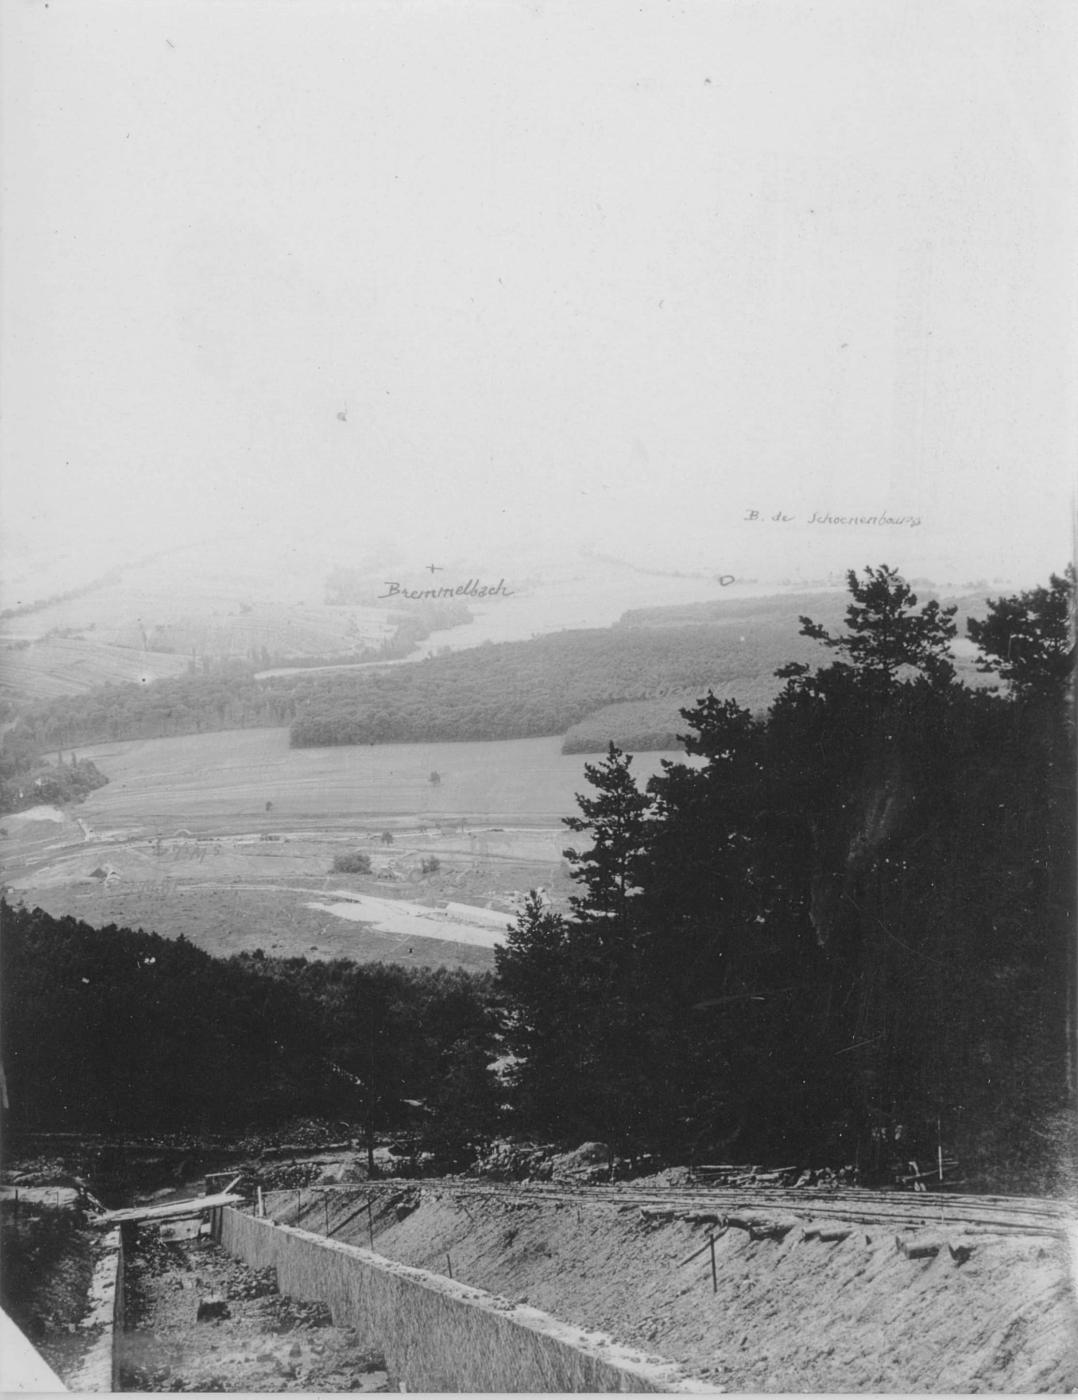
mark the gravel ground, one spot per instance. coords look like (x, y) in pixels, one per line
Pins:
(250, 1338)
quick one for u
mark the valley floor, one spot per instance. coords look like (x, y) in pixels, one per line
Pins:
(231, 839)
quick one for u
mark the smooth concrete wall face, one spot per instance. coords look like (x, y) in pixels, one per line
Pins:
(437, 1334)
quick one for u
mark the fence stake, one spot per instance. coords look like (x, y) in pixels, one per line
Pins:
(370, 1222)
(261, 1202)
(348, 1219)
(325, 1212)
(714, 1275)
(697, 1252)
(299, 1205)
(449, 1262)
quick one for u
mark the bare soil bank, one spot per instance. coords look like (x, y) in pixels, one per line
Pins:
(796, 1314)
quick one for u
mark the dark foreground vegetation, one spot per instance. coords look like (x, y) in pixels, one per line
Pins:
(848, 934)
(116, 1030)
(845, 936)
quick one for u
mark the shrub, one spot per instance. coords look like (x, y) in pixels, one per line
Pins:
(352, 863)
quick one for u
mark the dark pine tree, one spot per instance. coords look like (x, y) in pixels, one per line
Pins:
(885, 634)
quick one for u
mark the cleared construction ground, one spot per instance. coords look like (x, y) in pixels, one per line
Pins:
(448, 1284)
(198, 1320)
(808, 1291)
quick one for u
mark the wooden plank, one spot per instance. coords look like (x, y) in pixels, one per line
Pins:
(174, 1210)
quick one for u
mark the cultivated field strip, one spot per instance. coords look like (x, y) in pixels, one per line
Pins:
(853, 1206)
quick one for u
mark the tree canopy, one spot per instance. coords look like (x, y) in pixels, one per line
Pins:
(1028, 639)
(841, 931)
(844, 932)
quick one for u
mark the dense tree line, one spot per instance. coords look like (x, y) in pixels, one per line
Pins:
(119, 1030)
(217, 693)
(847, 936)
(105, 580)
(25, 781)
(517, 690)
(510, 690)
(27, 778)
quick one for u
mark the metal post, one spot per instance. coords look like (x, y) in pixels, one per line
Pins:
(714, 1274)
(370, 1222)
(449, 1263)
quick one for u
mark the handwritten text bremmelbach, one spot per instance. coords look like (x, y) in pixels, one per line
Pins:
(472, 589)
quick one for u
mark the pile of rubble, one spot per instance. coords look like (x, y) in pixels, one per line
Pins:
(198, 1320)
(757, 1175)
(587, 1165)
(511, 1161)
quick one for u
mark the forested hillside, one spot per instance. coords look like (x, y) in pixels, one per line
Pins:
(115, 1030)
(845, 935)
(519, 690)
(496, 691)
(509, 690)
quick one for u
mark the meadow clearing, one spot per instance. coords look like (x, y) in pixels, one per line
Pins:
(230, 839)
(226, 779)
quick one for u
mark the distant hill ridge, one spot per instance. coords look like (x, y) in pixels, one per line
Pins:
(506, 690)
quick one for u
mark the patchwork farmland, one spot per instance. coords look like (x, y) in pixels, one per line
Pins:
(231, 839)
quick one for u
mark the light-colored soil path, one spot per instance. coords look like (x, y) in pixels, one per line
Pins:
(401, 916)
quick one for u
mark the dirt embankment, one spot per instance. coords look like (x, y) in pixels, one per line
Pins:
(997, 1312)
(199, 1321)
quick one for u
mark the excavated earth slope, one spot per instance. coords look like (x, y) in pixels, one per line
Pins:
(850, 1293)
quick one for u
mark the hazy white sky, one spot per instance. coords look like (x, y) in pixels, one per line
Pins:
(601, 271)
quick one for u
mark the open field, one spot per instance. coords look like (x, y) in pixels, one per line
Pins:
(230, 839)
(68, 665)
(222, 781)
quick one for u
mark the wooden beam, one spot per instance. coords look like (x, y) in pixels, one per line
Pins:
(174, 1210)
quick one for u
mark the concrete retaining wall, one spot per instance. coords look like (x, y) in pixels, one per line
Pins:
(437, 1334)
(99, 1370)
